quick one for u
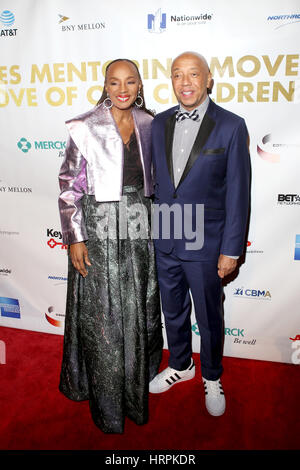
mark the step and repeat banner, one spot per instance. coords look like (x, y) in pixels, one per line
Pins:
(53, 54)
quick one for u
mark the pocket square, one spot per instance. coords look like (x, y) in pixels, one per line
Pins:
(214, 151)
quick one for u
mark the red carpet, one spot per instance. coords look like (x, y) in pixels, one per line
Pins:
(263, 407)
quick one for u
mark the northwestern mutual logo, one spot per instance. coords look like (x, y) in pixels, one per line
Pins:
(284, 20)
(157, 23)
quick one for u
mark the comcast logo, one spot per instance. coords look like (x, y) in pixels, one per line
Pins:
(24, 145)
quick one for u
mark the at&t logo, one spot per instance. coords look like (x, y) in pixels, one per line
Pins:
(7, 18)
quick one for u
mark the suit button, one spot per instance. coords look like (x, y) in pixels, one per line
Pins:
(174, 196)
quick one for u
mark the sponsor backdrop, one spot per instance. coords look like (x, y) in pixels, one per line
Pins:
(52, 57)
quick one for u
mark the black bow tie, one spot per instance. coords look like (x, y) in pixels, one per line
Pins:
(194, 115)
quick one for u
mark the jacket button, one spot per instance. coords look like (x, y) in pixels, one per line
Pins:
(174, 196)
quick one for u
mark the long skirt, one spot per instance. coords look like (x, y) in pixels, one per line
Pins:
(113, 338)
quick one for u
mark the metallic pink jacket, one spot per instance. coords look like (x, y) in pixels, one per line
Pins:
(94, 164)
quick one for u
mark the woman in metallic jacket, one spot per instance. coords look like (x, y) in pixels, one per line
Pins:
(113, 339)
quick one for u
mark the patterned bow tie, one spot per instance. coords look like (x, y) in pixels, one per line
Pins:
(194, 115)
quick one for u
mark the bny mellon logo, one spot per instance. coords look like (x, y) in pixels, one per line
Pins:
(63, 18)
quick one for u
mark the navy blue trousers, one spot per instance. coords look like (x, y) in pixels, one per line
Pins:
(177, 280)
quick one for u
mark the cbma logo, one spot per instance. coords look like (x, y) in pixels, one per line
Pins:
(157, 23)
(252, 293)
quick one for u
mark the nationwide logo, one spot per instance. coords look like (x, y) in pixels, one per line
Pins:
(54, 318)
(9, 307)
(257, 294)
(52, 243)
(288, 199)
(184, 20)
(297, 248)
(284, 20)
(7, 18)
(157, 23)
(24, 145)
(268, 150)
(80, 27)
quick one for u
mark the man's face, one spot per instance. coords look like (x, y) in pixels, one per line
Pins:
(190, 80)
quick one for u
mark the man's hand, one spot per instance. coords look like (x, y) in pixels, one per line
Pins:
(226, 265)
(79, 257)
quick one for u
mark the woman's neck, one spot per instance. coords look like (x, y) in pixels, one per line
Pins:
(121, 116)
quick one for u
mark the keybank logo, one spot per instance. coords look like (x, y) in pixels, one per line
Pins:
(24, 145)
(157, 23)
(252, 293)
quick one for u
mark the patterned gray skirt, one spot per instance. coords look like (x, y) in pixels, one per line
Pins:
(113, 338)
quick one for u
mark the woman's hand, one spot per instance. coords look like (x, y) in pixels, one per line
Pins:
(79, 257)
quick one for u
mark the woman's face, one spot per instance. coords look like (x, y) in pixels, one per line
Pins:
(122, 84)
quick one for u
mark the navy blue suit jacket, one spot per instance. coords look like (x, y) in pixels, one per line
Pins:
(216, 175)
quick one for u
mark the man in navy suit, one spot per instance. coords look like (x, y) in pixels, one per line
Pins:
(202, 172)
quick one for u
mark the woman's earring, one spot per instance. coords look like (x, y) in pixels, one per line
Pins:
(107, 103)
(141, 102)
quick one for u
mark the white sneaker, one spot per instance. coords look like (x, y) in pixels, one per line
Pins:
(169, 377)
(214, 397)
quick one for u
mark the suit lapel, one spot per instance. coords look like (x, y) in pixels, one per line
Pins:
(169, 133)
(206, 128)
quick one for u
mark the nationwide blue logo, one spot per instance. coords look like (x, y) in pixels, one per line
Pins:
(7, 18)
(297, 248)
(157, 23)
(9, 307)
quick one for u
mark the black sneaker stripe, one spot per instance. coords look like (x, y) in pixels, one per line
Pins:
(176, 375)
